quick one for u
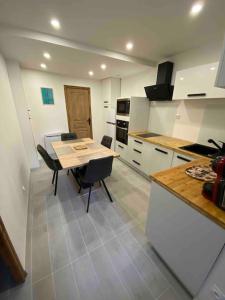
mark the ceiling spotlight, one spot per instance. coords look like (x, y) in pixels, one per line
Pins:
(129, 46)
(103, 66)
(181, 78)
(196, 8)
(55, 23)
(47, 55)
(91, 73)
(213, 68)
(43, 66)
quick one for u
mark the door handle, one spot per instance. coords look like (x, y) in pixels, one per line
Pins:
(89, 121)
(162, 151)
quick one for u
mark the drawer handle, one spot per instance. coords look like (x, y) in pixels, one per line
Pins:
(183, 158)
(138, 142)
(137, 151)
(162, 151)
(105, 106)
(106, 101)
(121, 147)
(137, 163)
(197, 95)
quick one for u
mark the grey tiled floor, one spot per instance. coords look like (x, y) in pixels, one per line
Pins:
(102, 255)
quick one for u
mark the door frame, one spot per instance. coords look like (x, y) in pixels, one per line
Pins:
(66, 87)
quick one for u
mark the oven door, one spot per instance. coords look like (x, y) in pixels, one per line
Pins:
(123, 107)
(122, 135)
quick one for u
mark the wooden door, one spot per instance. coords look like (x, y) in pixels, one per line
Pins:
(78, 105)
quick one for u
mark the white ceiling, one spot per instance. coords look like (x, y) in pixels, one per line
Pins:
(65, 61)
(158, 28)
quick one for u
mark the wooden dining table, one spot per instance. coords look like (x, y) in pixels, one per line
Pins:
(76, 153)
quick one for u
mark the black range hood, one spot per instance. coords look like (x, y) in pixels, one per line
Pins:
(163, 90)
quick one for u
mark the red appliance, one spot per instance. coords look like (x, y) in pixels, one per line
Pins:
(216, 191)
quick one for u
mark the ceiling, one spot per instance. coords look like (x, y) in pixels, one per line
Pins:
(65, 60)
(158, 28)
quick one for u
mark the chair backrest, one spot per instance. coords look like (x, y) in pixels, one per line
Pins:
(98, 169)
(47, 158)
(106, 141)
(68, 136)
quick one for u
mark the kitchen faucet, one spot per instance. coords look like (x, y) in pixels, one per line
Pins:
(221, 148)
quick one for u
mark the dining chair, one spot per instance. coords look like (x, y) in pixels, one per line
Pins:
(97, 170)
(68, 137)
(53, 164)
(106, 141)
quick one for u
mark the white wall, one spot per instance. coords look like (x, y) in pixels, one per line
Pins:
(14, 171)
(53, 118)
(199, 119)
(16, 84)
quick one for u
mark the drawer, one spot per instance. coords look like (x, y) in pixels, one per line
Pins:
(136, 154)
(135, 143)
(121, 149)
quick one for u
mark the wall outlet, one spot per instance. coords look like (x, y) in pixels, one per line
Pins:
(217, 293)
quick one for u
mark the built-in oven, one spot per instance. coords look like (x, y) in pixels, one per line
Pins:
(123, 107)
(122, 131)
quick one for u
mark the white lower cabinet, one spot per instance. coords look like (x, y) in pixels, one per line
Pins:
(180, 159)
(122, 149)
(157, 158)
(187, 241)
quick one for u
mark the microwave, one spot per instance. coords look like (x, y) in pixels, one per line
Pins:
(123, 107)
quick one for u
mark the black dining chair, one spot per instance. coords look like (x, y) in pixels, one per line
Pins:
(96, 171)
(68, 136)
(106, 141)
(53, 164)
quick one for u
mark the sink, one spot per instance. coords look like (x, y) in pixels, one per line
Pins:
(148, 135)
(201, 149)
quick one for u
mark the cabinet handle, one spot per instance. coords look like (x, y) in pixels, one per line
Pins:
(162, 151)
(137, 151)
(105, 106)
(121, 147)
(106, 101)
(183, 158)
(138, 142)
(137, 163)
(197, 95)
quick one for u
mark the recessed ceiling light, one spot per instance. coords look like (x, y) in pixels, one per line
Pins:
(91, 73)
(213, 68)
(47, 55)
(43, 66)
(103, 66)
(129, 46)
(196, 8)
(181, 78)
(55, 23)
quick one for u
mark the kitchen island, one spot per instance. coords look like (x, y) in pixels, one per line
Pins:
(186, 229)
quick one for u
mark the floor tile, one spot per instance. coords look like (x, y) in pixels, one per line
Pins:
(111, 286)
(148, 271)
(90, 235)
(127, 272)
(75, 240)
(21, 292)
(41, 266)
(44, 289)
(65, 286)
(87, 280)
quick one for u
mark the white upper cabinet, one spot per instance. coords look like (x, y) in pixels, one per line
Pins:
(197, 83)
(110, 91)
(220, 78)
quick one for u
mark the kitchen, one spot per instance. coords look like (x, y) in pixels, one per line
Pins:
(157, 231)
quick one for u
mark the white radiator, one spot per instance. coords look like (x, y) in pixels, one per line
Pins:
(49, 138)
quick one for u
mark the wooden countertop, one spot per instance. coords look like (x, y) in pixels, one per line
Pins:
(189, 190)
(167, 142)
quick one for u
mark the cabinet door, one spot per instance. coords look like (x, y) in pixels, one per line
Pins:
(197, 82)
(180, 159)
(187, 240)
(122, 150)
(157, 158)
